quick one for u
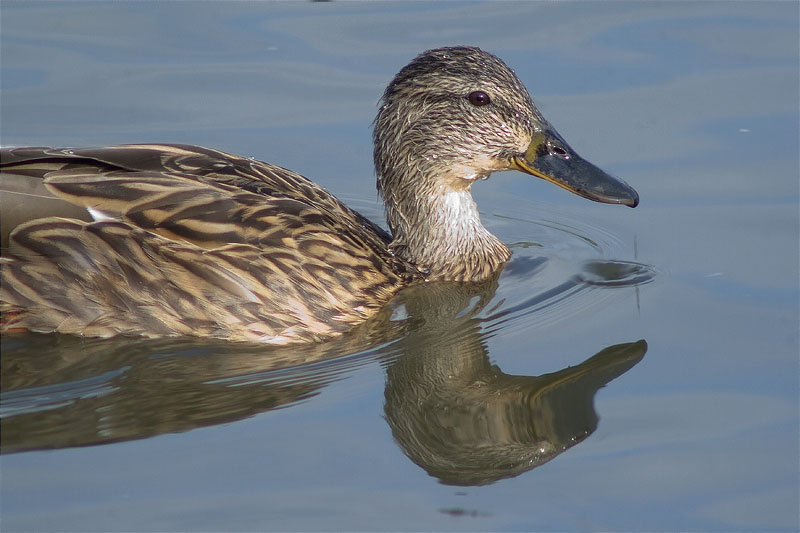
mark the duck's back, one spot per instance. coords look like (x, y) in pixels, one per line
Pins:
(161, 240)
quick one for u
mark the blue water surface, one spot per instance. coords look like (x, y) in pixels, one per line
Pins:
(693, 103)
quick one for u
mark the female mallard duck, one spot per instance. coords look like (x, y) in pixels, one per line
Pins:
(180, 240)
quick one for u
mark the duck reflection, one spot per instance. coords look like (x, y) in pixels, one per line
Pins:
(452, 411)
(463, 420)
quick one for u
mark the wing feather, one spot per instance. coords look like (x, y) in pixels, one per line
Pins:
(190, 241)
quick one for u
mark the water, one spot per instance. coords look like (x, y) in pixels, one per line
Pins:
(696, 428)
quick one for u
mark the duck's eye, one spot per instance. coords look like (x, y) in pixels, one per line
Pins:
(479, 98)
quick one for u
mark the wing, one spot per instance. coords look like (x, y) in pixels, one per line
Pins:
(171, 188)
(189, 241)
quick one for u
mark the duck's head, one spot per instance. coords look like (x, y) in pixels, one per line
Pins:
(457, 114)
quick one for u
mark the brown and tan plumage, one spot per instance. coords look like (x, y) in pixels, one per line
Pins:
(160, 240)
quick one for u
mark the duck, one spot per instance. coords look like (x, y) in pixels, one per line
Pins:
(160, 240)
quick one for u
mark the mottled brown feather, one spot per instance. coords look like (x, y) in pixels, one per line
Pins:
(212, 244)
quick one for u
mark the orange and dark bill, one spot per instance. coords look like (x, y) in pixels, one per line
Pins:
(549, 157)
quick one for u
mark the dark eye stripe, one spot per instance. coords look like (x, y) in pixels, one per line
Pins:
(479, 98)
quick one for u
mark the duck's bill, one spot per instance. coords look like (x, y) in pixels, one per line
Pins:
(549, 157)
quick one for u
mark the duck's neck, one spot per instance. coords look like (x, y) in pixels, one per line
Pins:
(440, 230)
